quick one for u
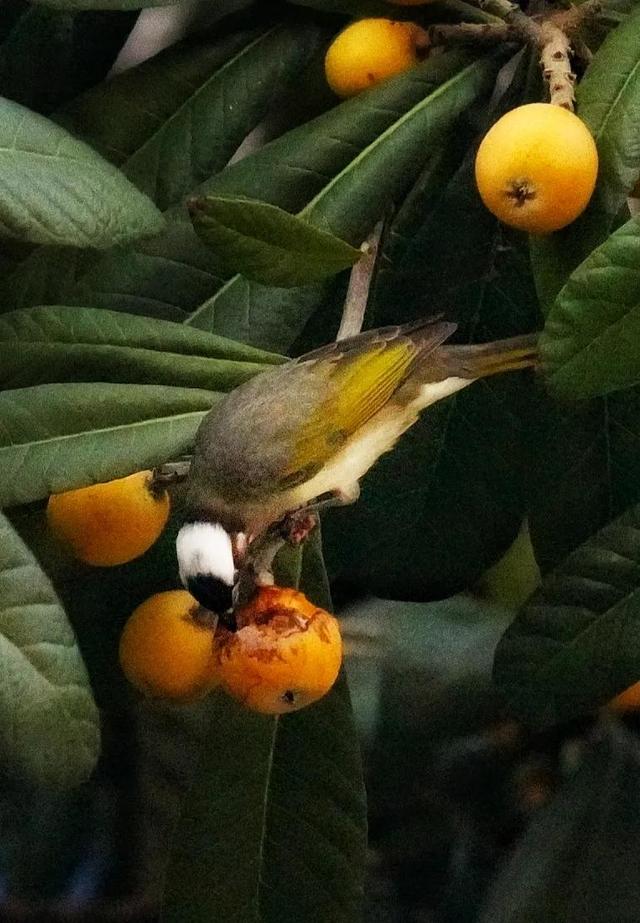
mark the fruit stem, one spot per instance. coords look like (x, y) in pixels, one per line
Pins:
(168, 474)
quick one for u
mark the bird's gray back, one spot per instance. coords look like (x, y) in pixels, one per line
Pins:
(246, 442)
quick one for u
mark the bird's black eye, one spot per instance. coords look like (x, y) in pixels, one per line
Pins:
(211, 592)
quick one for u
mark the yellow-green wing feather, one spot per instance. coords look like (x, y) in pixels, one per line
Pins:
(356, 380)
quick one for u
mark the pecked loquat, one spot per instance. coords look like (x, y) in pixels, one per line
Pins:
(285, 654)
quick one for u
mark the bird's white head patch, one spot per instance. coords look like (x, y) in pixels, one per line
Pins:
(206, 565)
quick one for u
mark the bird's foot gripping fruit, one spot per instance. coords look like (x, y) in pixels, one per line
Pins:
(285, 654)
(297, 527)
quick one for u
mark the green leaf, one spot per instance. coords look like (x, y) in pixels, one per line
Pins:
(443, 216)
(577, 641)
(584, 470)
(438, 656)
(437, 11)
(608, 100)
(50, 729)
(57, 344)
(59, 191)
(177, 118)
(267, 244)
(48, 57)
(59, 436)
(175, 272)
(96, 327)
(274, 827)
(382, 137)
(104, 4)
(568, 865)
(49, 275)
(589, 345)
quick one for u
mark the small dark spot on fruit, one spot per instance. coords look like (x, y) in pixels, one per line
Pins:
(289, 697)
(371, 77)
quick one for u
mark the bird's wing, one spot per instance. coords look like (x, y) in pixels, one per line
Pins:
(356, 378)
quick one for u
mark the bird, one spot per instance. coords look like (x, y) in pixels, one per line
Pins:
(304, 433)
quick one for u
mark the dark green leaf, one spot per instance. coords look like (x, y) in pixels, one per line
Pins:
(39, 345)
(585, 470)
(267, 244)
(608, 99)
(590, 345)
(38, 363)
(104, 4)
(49, 275)
(381, 144)
(572, 864)
(577, 641)
(48, 56)
(59, 191)
(60, 436)
(91, 326)
(438, 657)
(423, 271)
(177, 118)
(175, 272)
(554, 257)
(50, 728)
(274, 828)
(436, 12)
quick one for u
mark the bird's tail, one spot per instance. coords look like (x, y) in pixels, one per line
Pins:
(483, 359)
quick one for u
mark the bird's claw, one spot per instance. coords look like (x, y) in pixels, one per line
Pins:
(296, 527)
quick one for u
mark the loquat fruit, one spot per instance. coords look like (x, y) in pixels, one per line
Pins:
(111, 523)
(627, 700)
(536, 168)
(371, 50)
(167, 647)
(285, 654)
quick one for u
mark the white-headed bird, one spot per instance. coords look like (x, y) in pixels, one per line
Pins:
(310, 429)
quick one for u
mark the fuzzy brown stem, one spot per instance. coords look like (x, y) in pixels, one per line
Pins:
(355, 304)
(467, 33)
(555, 62)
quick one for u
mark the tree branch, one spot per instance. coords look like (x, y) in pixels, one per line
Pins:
(571, 20)
(527, 28)
(355, 304)
(556, 67)
(466, 33)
